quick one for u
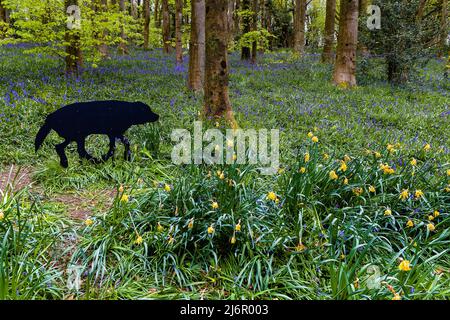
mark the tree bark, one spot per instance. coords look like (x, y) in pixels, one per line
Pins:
(134, 9)
(246, 21)
(421, 9)
(2, 12)
(146, 10)
(197, 46)
(345, 65)
(327, 54)
(123, 48)
(255, 10)
(444, 28)
(216, 100)
(74, 58)
(156, 14)
(231, 14)
(166, 27)
(103, 47)
(178, 34)
(299, 26)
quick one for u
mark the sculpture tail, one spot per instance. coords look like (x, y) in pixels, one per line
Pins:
(41, 135)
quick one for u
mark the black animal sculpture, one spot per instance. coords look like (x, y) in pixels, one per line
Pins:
(75, 122)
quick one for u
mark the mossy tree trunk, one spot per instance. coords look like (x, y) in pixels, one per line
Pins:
(167, 48)
(255, 10)
(178, 34)
(444, 28)
(246, 22)
(146, 10)
(197, 46)
(299, 26)
(123, 47)
(345, 65)
(216, 100)
(74, 57)
(327, 54)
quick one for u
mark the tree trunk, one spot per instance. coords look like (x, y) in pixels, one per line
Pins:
(197, 46)
(231, 14)
(178, 34)
(103, 47)
(237, 18)
(166, 27)
(123, 48)
(74, 57)
(134, 9)
(157, 11)
(444, 28)
(421, 9)
(345, 65)
(255, 10)
(2, 20)
(146, 23)
(327, 54)
(299, 26)
(246, 20)
(216, 100)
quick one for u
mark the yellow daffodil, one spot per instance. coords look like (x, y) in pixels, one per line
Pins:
(167, 188)
(121, 189)
(326, 156)
(138, 240)
(427, 147)
(234, 157)
(87, 222)
(315, 139)
(300, 247)
(388, 212)
(418, 194)
(397, 297)
(124, 198)
(272, 196)
(343, 167)
(237, 228)
(430, 217)
(436, 213)
(404, 265)
(410, 224)
(333, 175)
(233, 240)
(448, 172)
(390, 148)
(191, 223)
(159, 227)
(372, 189)
(307, 157)
(358, 191)
(386, 169)
(347, 158)
(302, 170)
(345, 182)
(221, 175)
(210, 230)
(215, 205)
(2, 215)
(404, 194)
(413, 162)
(310, 134)
(377, 155)
(431, 227)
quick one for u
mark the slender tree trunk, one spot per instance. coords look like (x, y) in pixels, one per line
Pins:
(146, 10)
(178, 34)
(197, 46)
(421, 9)
(327, 54)
(255, 10)
(444, 28)
(134, 9)
(74, 58)
(345, 65)
(231, 14)
(2, 19)
(246, 21)
(103, 47)
(237, 18)
(166, 27)
(123, 48)
(157, 11)
(216, 100)
(299, 26)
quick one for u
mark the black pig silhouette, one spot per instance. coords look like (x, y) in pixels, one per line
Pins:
(75, 122)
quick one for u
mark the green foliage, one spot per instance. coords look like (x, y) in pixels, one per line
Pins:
(404, 38)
